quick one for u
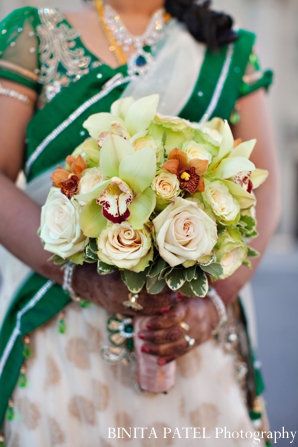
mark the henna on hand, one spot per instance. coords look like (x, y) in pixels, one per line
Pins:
(166, 338)
(109, 292)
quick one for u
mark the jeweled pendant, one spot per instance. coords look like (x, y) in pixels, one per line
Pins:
(235, 117)
(23, 378)
(61, 324)
(27, 348)
(84, 304)
(10, 411)
(139, 63)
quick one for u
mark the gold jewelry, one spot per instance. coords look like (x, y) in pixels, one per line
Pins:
(113, 46)
(184, 326)
(16, 95)
(132, 302)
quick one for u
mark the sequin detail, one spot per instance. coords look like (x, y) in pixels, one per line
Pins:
(61, 61)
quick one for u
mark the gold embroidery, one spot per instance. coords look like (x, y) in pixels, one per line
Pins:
(61, 62)
(57, 436)
(205, 415)
(82, 409)
(53, 375)
(77, 352)
(94, 338)
(29, 412)
(101, 394)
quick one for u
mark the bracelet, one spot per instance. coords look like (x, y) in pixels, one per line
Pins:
(221, 310)
(16, 95)
(67, 281)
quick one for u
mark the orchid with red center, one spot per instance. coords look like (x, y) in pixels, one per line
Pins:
(125, 193)
(68, 179)
(189, 172)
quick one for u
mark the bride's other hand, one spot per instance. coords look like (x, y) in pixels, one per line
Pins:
(165, 337)
(109, 292)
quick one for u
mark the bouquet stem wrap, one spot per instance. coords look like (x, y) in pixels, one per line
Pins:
(151, 376)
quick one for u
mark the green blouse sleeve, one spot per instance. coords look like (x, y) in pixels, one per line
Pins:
(19, 47)
(254, 77)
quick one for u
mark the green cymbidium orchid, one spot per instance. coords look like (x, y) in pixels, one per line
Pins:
(127, 119)
(126, 192)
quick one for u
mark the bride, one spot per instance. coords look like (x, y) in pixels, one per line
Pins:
(56, 69)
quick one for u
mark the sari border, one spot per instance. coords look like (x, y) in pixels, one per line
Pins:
(109, 86)
(17, 329)
(219, 86)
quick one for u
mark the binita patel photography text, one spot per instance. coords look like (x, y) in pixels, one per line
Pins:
(199, 433)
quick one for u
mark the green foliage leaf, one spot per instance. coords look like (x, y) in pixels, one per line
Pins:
(200, 285)
(93, 245)
(154, 285)
(247, 263)
(90, 255)
(247, 226)
(220, 229)
(78, 258)
(165, 272)
(57, 260)
(158, 265)
(214, 269)
(175, 279)
(251, 253)
(104, 269)
(190, 273)
(187, 290)
(134, 281)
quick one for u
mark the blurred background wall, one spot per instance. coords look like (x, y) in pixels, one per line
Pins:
(275, 22)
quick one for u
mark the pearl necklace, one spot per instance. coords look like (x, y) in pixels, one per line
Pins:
(139, 62)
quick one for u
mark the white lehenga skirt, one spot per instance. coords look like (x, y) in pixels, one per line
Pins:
(73, 398)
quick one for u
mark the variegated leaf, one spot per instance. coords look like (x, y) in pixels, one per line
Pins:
(200, 286)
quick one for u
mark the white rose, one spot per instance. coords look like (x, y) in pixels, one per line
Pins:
(230, 251)
(223, 204)
(166, 185)
(90, 178)
(196, 150)
(60, 229)
(231, 261)
(184, 232)
(125, 247)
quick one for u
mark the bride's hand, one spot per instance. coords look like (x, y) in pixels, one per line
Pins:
(165, 337)
(109, 292)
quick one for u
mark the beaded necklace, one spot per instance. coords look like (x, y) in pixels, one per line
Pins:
(121, 40)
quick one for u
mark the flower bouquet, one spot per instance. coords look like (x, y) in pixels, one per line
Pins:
(162, 200)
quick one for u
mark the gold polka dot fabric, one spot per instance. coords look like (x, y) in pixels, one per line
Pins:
(74, 399)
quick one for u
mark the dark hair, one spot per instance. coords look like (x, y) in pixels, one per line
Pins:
(208, 26)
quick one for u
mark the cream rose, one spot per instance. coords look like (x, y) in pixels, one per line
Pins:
(166, 185)
(184, 232)
(90, 178)
(230, 251)
(125, 247)
(60, 229)
(196, 150)
(223, 204)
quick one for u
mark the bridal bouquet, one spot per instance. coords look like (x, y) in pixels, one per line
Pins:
(163, 200)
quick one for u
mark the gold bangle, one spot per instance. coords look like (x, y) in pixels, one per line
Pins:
(16, 95)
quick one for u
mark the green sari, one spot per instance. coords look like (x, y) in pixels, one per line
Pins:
(70, 90)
